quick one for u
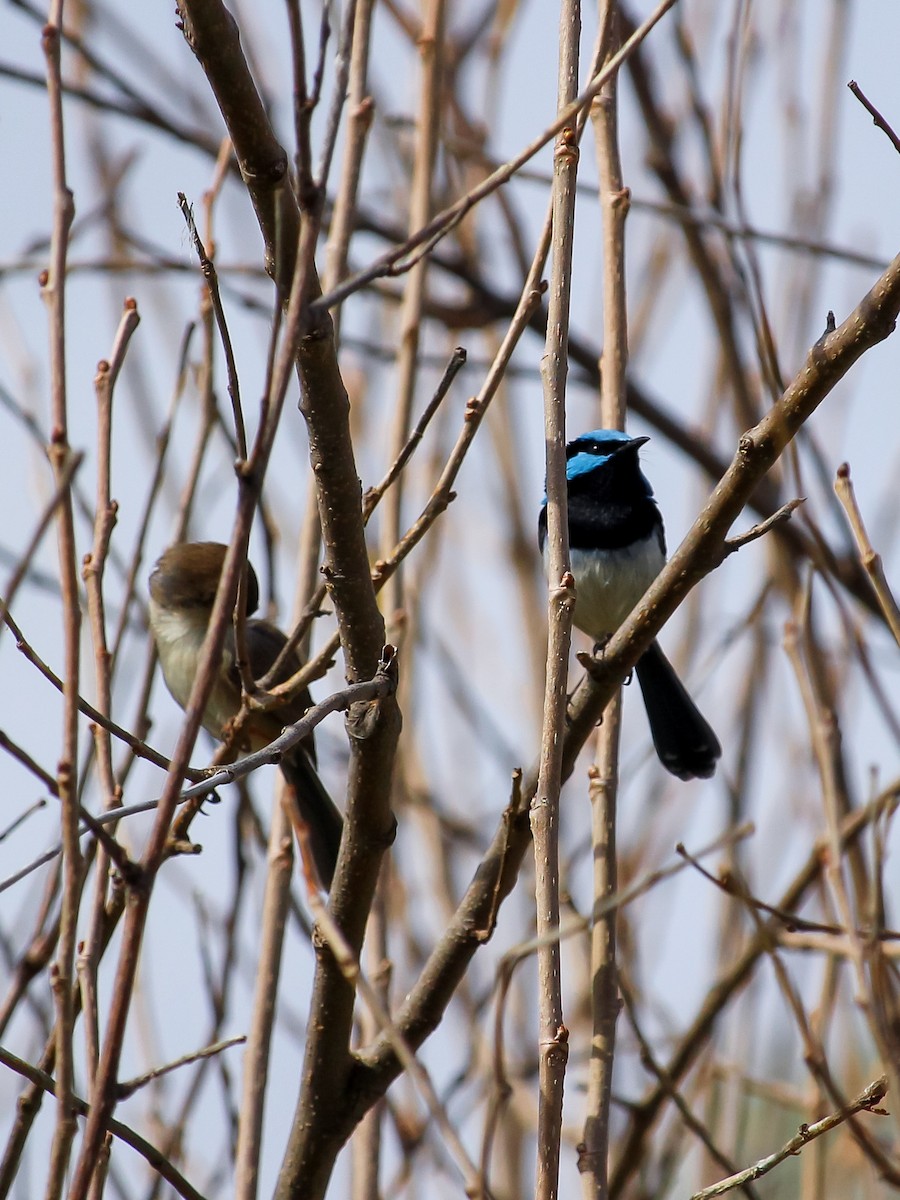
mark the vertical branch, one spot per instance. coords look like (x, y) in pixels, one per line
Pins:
(430, 43)
(256, 1054)
(553, 1036)
(614, 202)
(94, 567)
(53, 289)
(360, 108)
(604, 784)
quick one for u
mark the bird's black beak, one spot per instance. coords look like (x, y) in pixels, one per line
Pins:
(633, 444)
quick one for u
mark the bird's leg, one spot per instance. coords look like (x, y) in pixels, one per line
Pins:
(600, 651)
(593, 662)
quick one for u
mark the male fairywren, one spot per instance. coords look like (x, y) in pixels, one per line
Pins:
(617, 548)
(182, 590)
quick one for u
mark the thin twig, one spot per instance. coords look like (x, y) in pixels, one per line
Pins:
(276, 905)
(135, 744)
(61, 491)
(129, 1086)
(54, 293)
(341, 701)
(762, 528)
(873, 112)
(792, 922)
(709, 218)
(156, 1161)
(16, 822)
(867, 1101)
(93, 570)
(208, 268)
(871, 561)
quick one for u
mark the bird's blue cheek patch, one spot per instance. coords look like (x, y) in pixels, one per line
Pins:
(586, 461)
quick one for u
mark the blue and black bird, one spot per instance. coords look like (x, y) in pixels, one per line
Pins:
(618, 547)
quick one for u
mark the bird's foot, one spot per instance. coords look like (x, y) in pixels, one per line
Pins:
(593, 663)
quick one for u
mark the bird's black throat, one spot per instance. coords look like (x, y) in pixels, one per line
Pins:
(610, 506)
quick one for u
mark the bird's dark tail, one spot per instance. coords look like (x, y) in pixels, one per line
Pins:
(684, 741)
(317, 810)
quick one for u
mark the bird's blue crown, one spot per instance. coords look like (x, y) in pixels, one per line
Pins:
(587, 452)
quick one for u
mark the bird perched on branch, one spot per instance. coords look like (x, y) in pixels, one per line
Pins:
(617, 548)
(182, 591)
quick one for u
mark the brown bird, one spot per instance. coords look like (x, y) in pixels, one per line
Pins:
(182, 590)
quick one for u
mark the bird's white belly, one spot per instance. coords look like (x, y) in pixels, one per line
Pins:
(609, 583)
(180, 641)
